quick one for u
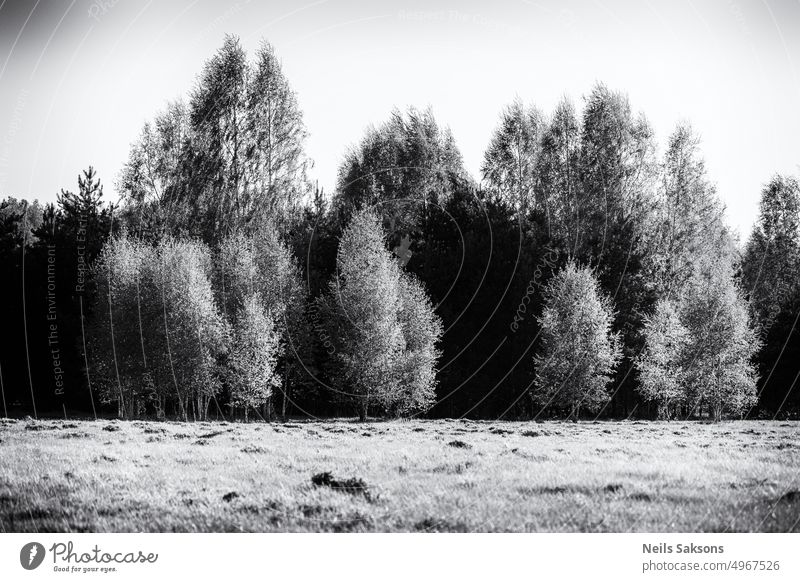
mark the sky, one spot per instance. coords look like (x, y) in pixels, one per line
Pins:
(79, 78)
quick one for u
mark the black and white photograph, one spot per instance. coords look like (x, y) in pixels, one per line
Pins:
(338, 266)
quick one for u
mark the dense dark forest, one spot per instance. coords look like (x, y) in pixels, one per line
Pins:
(225, 282)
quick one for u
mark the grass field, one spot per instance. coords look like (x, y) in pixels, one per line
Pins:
(399, 476)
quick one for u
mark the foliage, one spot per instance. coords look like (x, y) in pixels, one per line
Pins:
(157, 331)
(261, 266)
(577, 187)
(661, 364)
(771, 280)
(416, 368)
(154, 175)
(383, 324)
(232, 159)
(254, 356)
(688, 217)
(617, 171)
(362, 304)
(578, 351)
(510, 161)
(771, 265)
(19, 220)
(700, 348)
(403, 168)
(721, 341)
(558, 174)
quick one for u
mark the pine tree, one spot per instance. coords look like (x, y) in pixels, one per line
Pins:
(771, 279)
(771, 265)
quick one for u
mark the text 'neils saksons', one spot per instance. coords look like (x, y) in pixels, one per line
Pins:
(663, 548)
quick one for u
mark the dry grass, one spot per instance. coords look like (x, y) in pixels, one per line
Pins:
(399, 476)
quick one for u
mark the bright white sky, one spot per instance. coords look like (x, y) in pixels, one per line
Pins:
(76, 89)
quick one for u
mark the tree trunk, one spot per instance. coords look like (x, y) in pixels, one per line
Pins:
(285, 398)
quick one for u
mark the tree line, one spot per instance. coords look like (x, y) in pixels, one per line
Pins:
(585, 272)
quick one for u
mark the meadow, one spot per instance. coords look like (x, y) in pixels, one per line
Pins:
(418, 476)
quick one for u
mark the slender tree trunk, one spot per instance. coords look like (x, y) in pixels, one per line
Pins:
(574, 412)
(285, 398)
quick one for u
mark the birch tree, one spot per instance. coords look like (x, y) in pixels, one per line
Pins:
(383, 324)
(157, 333)
(510, 162)
(254, 357)
(721, 341)
(233, 158)
(578, 352)
(688, 215)
(662, 373)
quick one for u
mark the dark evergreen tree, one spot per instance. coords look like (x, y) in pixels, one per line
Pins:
(771, 277)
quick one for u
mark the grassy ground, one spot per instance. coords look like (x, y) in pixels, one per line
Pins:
(399, 476)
